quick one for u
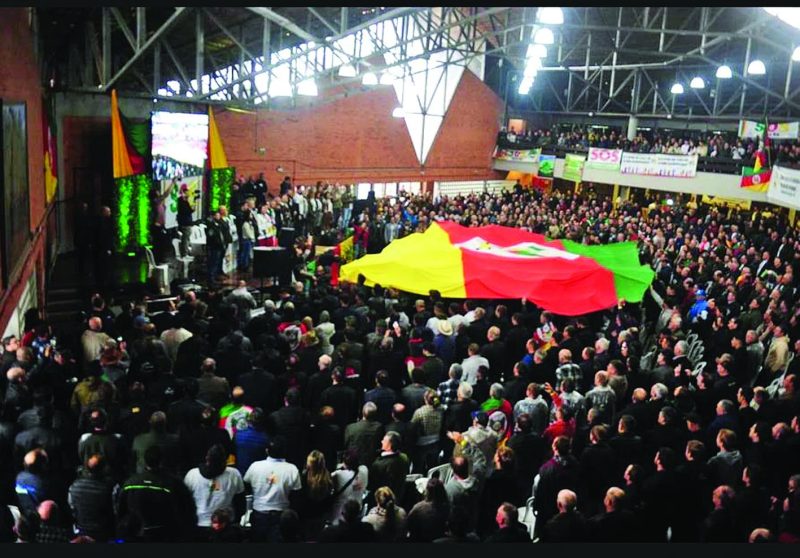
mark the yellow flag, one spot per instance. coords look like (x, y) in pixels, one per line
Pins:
(216, 153)
(119, 148)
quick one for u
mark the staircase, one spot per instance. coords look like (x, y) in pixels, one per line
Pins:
(67, 295)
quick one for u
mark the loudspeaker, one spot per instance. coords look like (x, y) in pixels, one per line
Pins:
(286, 237)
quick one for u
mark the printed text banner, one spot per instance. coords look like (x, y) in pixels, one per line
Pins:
(519, 155)
(784, 187)
(657, 164)
(605, 159)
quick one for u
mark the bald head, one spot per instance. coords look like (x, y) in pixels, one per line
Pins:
(15, 374)
(35, 460)
(639, 395)
(567, 501)
(614, 499)
(47, 510)
(95, 323)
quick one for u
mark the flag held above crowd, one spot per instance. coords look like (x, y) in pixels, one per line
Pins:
(497, 262)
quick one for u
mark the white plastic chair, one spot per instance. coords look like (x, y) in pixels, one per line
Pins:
(161, 272)
(527, 515)
(183, 261)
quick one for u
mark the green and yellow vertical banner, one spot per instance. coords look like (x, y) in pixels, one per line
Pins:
(220, 175)
(573, 167)
(132, 181)
(50, 154)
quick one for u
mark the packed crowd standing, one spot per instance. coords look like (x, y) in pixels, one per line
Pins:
(312, 407)
(722, 146)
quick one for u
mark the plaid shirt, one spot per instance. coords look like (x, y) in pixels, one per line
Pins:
(569, 371)
(448, 392)
(429, 421)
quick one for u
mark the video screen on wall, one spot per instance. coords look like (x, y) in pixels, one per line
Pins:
(179, 144)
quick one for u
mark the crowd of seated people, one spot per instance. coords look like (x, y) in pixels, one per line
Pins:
(300, 420)
(722, 146)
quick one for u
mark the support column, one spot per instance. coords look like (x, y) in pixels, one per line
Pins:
(633, 122)
(614, 196)
(792, 216)
(199, 50)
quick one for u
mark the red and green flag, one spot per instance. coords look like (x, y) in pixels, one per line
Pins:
(757, 177)
(498, 262)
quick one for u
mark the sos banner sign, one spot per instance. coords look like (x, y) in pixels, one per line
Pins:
(605, 159)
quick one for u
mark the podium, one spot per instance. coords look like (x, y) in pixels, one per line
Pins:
(272, 262)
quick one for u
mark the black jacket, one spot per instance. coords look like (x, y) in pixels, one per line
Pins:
(364, 437)
(555, 475)
(159, 502)
(516, 533)
(185, 218)
(344, 401)
(564, 527)
(294, 424)
(614, 527)
(91, 502)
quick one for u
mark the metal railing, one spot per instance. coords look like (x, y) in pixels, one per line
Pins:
(722, 165)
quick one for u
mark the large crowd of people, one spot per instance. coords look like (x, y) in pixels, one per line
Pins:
(336, 412)
(713, 145)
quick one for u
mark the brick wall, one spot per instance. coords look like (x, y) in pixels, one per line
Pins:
(356, 139)
(19, 81)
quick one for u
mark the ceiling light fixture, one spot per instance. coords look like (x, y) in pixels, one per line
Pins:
(550, 16)
(543, 36)
(677, 89)
(756, 68)
(724, 72)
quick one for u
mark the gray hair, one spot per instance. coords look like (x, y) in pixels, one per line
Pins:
(269, 304)
(681, 347)
(496, 391)
(369, 410)
(455, 371)
(602, 343)
(465, 390)
(659, 391)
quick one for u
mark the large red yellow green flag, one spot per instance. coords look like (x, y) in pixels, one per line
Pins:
(498, 262)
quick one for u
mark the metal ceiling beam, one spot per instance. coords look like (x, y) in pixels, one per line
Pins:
(362, 26)
(123, 25)
(150, 42)
(141, 27)
(228, 33)
(284, 22)
(324, 21)
(105, 30)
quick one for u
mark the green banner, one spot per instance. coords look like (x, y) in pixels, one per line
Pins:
(133, 211)
(221, 184)
(573, 167)
(547, 164)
